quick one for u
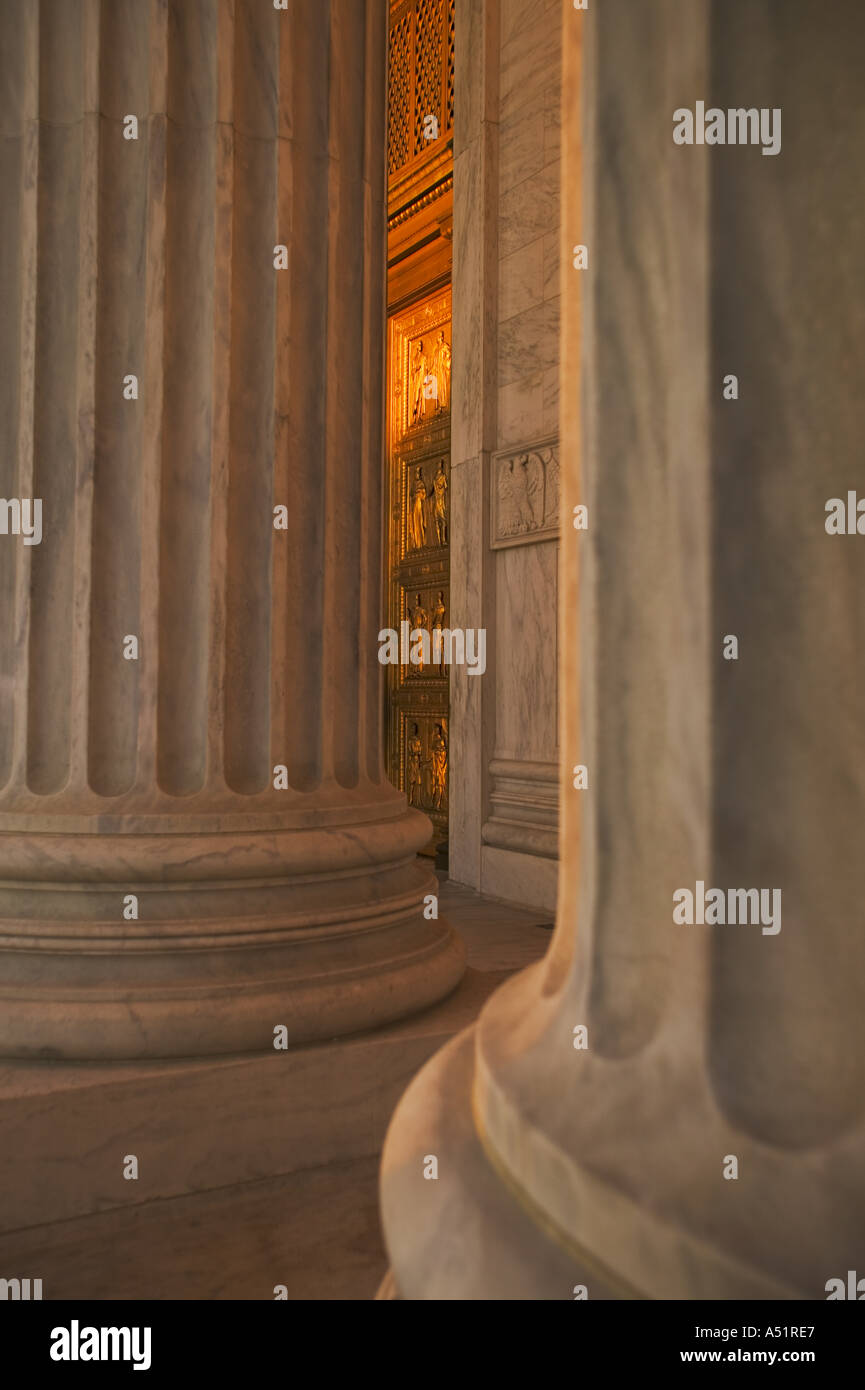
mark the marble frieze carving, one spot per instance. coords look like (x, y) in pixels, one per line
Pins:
(524, 494)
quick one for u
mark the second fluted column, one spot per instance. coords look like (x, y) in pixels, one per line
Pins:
(197, 840)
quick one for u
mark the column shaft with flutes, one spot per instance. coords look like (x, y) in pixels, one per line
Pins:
(197, 840)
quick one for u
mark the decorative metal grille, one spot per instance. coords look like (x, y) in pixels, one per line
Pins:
(400, 91)
(428, 69)
(421, 78)
(450, 63)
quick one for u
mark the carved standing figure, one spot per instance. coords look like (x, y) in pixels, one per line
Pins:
(438, 622)
(442, 369)
(440, 511)
(415, 750)
(439, 760)
(417, 517)
(418, 379)
(419, 622)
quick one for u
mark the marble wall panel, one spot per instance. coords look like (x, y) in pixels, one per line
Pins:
(522, 144)
(529, 209)
(522, 280)
(521, 410)
(526, 646)
(506, 312)
(529, 54)
(471, 708)
(529, 341)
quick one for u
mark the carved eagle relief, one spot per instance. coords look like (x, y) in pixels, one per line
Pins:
(521, 494)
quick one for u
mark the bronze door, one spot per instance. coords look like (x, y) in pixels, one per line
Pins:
(418, 737)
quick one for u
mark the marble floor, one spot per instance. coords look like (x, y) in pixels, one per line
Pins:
(314, 1231)
(498, 936)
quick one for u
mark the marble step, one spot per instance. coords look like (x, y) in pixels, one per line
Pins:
(313, 1234)
(67, 1130)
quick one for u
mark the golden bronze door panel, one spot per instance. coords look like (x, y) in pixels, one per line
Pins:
(423, 748)
(418, 588)
(425, 608)
(420, 220)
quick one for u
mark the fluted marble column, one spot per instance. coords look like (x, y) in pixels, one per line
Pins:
(197, 845)
(609, 1167)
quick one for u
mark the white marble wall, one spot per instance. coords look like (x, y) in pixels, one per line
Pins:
(518, 859)
(506, 332)
(528, 221)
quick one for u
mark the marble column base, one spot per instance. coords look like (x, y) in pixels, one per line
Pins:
(630, 1196)
(624, 1156)
(318, 928)
(462, 1235)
